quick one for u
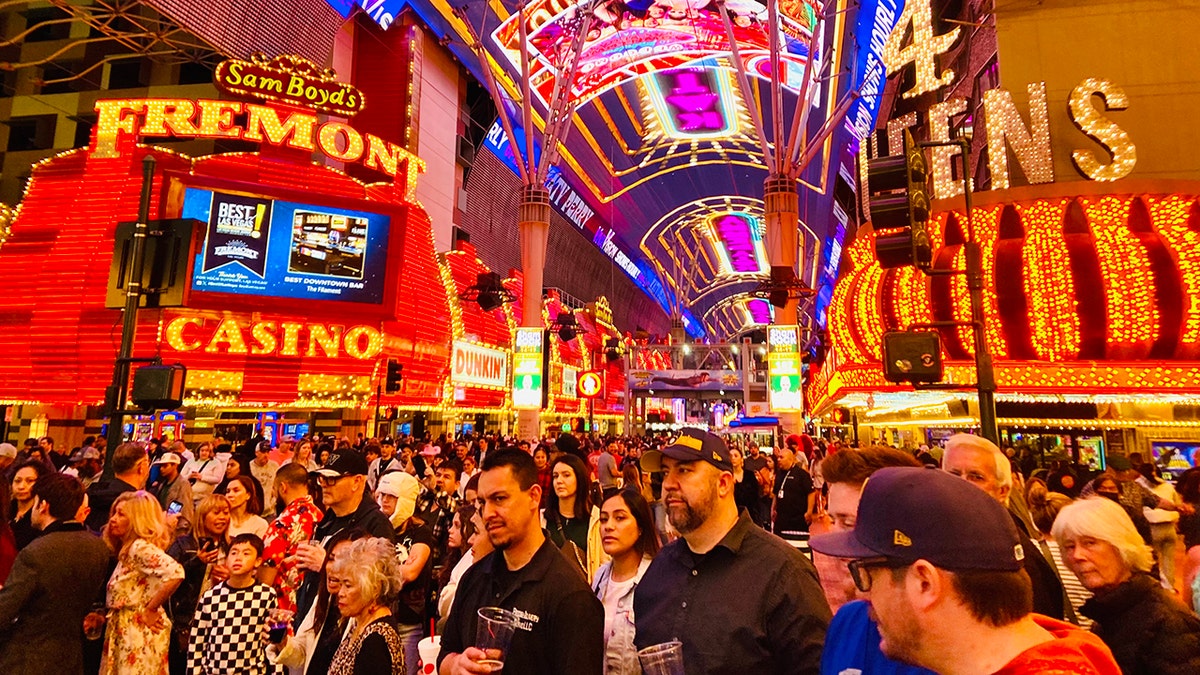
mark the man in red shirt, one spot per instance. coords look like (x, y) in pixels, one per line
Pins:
(941, 564)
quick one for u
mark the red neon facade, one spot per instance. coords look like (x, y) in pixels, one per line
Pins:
(60, 340)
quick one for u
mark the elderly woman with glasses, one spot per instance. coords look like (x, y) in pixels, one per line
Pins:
(370, 584)
(1147, 629)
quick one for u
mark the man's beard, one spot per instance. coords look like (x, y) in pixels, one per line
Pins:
(687, 517)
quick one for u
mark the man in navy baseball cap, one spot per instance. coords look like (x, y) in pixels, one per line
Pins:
(692, 444)
(941, 563)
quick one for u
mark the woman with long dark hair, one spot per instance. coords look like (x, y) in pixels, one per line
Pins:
(628, 535)
(202, 554)
(244, 507)
(26, 474)
(570, 515)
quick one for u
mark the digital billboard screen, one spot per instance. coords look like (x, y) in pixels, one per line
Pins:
(275, 248)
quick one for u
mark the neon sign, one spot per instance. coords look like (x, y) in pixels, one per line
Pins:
(288, 79)
(382, 12)
(272, 338)
(129, 119)
(528, 377)
(478, 365)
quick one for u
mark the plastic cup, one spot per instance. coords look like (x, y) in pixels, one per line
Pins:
(428, 649)
(494, 634)
(662, 659)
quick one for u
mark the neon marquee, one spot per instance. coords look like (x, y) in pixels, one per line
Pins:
(272, 338)
(122, 119)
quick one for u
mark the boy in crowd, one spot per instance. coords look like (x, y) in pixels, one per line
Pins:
(226, 635)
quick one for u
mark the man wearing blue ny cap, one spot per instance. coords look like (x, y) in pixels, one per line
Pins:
(739, 599)
(941, 564)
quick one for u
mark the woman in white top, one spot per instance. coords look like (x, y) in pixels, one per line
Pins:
(628, 535)
(244, 508)
(204, 472)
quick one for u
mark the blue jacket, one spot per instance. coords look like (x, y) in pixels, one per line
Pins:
(852, 646)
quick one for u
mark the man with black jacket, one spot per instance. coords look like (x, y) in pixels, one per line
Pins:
(343, 484)
(52, 585)
(560, 623)
(131, 468)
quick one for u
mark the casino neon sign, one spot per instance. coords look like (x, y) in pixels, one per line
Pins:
(122, 119)
(272, 338)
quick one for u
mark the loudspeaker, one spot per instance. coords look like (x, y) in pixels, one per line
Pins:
(912, 357)
(158, 387)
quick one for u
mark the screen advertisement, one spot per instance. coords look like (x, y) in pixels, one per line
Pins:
(275, 248)
(527, 368)
(783, 366)
(685, 380)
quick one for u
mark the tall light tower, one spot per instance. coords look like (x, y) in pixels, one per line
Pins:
(534, 161)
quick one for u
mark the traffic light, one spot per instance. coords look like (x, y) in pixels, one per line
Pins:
(899, 207)
(912, 356)
(395, 375)
(840, 416)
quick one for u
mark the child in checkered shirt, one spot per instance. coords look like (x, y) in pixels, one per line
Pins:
(227, 632)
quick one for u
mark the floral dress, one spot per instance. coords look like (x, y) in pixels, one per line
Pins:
(131, 647)
(294, 526)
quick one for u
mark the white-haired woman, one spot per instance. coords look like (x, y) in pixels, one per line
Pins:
(370, 584)
(1147, 629)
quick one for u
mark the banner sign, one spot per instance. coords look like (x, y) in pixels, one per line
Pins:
(527, 368)
(685, 380)
(783, 368)
(570, 382)
(478, 365)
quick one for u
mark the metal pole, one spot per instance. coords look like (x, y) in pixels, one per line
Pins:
(752, 104)
(118, 390)
(985, 377)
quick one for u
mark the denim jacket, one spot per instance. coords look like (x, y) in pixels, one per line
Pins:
(620, 656)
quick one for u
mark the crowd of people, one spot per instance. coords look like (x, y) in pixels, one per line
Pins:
(322, 555)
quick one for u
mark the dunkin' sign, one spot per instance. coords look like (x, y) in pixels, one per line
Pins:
(478, 365)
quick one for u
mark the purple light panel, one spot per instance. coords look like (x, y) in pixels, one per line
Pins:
(760, 311)
(736, 233)
(692, 99)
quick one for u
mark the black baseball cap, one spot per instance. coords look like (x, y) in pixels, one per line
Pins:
(914, 513)
(692, 444)
(344, 463)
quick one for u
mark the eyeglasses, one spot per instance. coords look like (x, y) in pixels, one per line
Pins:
(860, 570)
(327, 481)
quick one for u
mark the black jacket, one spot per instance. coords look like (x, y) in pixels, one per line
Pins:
(1148, 630)
(101, 496)
(52, 587)
(561, 622)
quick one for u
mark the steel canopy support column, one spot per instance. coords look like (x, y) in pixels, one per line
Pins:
(782, 211)
(535, 233)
